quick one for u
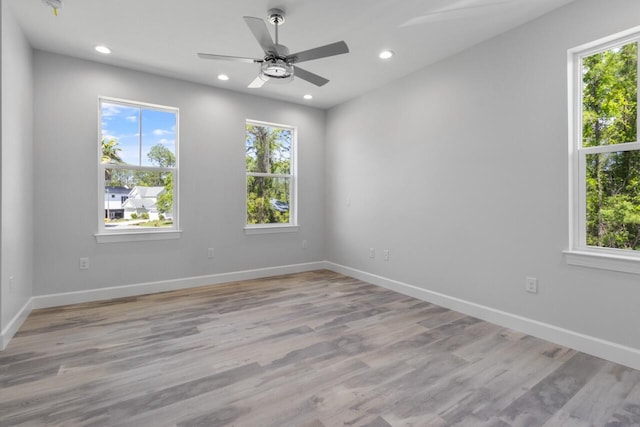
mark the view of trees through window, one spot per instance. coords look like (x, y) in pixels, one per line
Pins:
(139, 162)
(609, 120)
(269, 173)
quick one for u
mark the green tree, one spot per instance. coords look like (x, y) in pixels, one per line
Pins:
(160, 155)
(268, 151)
(609, 114)
(165, 200)
(111, 151)
(111, 155)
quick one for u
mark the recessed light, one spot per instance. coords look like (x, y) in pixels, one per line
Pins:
(385, 54)
(308, 96)
(223, 77)
(102, 49)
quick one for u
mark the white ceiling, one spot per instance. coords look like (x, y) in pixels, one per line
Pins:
(163, 37)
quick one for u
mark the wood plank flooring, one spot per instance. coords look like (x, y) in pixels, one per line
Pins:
(315, 349)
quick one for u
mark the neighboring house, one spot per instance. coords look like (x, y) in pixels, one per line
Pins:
(142, 200)
(114, 197)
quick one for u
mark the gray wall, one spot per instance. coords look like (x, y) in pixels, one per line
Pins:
(460, 170)
(212, 180)
(17, 170)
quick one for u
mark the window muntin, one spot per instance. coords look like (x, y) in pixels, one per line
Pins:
(138, 166)
(270, 179)
(606, 153)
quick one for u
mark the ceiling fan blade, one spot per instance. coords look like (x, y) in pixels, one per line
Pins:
(261, 33)
(256, 83)
(332, 49)
(228, 58)
(309, 76)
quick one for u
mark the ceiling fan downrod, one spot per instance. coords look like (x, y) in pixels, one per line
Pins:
(276, 17)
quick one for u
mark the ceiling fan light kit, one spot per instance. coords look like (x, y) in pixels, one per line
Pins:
(276, 69)
(277, 63)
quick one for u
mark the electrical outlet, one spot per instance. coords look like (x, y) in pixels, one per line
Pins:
(385, 254)
(211, 253)
(84, 263)
(304, 244)
(531, 285)
(372, 252)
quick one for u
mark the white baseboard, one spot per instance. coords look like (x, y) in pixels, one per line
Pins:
(608, 350)
(15, 323)
(66, 298)
(77, 297)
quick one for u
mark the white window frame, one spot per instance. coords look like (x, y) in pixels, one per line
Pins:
(105, 235)
(579, 253)
(292, 226)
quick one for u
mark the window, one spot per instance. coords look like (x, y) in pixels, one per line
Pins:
(138, 163)
(605, 152)
(270, 167)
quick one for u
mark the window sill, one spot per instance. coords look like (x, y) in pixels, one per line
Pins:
(137, 236)
(270, 229)
(613, 262)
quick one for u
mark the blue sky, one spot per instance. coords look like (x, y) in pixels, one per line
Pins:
(123, 123)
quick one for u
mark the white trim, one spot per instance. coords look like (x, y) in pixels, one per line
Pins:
(15, 323)
(606, 43)
(292, 177)
(579, 252)
(269, 175)
(608, 350)
(103, 231)
(137, 236)
(613, 148)
(270, 229)
(66, 298)
(613, 262)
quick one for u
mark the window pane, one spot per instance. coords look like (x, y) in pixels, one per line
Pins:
(136, 199)
(613, 200)
(268, 149)
(158, 138)
(267, 200)
(120, 133)
(609, 97)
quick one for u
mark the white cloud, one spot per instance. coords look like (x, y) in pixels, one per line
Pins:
(161, 132)
(109, 110)
(132, 119)
(165, 141)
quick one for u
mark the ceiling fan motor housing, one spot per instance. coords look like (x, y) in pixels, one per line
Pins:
(276, 68)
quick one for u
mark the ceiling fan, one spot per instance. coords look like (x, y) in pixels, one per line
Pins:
(277, 63)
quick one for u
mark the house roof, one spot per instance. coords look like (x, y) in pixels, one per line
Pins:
(140, 192)
(139, 204)
(117, 190)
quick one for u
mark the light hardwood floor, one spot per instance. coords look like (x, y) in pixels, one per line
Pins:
(314, 349)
